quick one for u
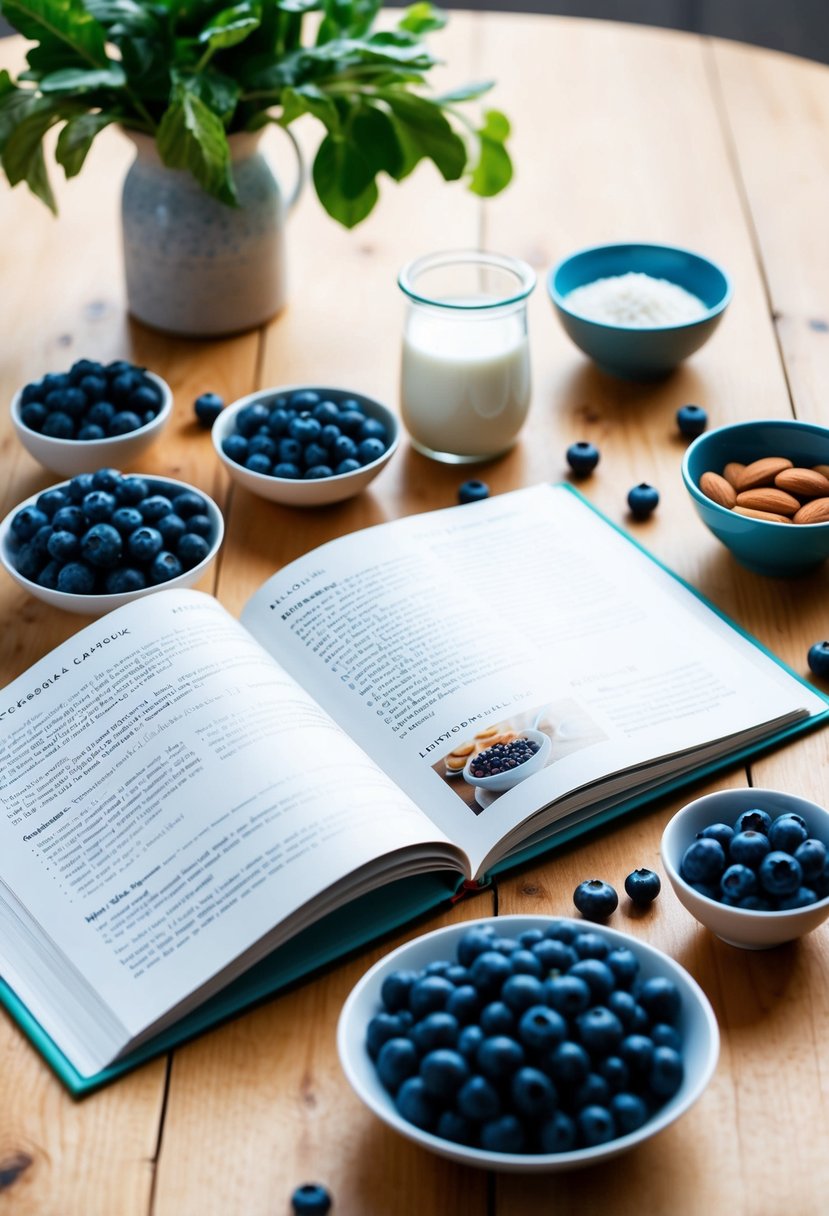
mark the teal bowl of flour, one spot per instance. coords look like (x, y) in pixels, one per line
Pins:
(638, 310)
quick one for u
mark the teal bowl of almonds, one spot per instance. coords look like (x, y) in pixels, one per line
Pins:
(762, 488)
(638, 309)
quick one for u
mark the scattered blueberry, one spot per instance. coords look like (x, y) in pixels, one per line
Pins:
(819, 659)
(691, 420)
(300, 436)
(472, 491)
(207, 408)
(103, 533)
(582, 457)
(310, 1199)
(596, 900)
(643, 500)
(642, 886)
(85, 405)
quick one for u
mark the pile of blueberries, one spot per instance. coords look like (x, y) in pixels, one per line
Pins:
(107, 533)
(91, 401)
(303, 435)
(502, 757)
(541, 1044)
(760, 863)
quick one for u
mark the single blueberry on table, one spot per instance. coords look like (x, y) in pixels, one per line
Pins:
(310, 1199)
(207, 408)
(472, 491)
(643, 500)
(582, 457)
(691, 420)
(818, 659)
(642, 886)
(595, 899)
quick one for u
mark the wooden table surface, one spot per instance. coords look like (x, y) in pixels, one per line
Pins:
(620, 132)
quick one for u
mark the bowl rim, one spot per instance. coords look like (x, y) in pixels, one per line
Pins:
(746, 915)
(559, 300)
(483, 782)
(221, 426)
(532, 1162)
(795, 424)
(110, 600)
(82, 444)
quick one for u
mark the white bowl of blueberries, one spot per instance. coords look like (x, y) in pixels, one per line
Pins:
(103, 539)
(528, 1044)
(91, 416)
(305, 446)
(751, 865)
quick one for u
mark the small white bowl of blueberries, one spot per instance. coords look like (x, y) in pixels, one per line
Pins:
(103, 539)
(305, 446)
(528, 1044)
(751, 865)
(91, 416)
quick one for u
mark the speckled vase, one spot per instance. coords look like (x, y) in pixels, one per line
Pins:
(193, 265)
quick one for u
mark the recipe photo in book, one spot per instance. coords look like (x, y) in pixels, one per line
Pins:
(181, 792)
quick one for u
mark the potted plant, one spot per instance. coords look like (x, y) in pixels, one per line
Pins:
(194, 83)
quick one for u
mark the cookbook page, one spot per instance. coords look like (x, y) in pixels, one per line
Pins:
(168, 794)
(494, 656)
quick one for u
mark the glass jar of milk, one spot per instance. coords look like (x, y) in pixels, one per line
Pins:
(465, 373)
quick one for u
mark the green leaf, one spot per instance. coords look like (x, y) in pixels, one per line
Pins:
(334, 166)
(231, 26)
(308, 99)
(62, 21)
(466, 92)
(422, 18)
(353, 18)
(125, 18)
(220, 93)
(191, 137)
(23, 149)
(424, 131)
(76, 138)
(374, 133)
(494, 168)
(80, 80)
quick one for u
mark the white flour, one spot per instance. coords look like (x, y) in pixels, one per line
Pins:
(636, 300)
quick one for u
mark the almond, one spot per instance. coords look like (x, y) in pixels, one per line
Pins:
(732, 472)
(806, 482)
(718, 489)
(823, 469)
(814, 512)
(769, 516)
(762, 472)
(769, 499)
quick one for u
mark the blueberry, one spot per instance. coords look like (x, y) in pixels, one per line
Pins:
(643, 500)
(558, 1134)
(594, 1091)
(347, 466)
(286, 469)
(250, 418)
(94, 386)
(123, 385)
(624, 964)
(464, 1003)
(567, 994)
(753, 820)
(642, 887)
(395, 989)
(172, 528)
(600, 1030)
(33, 415)
(416, 1105)
(290, 451)
(703, 861)
(663, 1035)
(27, 522)
(235, 447)
(371, 428)
(474, 941)
(496, 1017)
(533, 1093)
(541, 1028)
(310, 1199)
(100, 414)
(595, 899)
(326, 413)
(369, 450)
(154, 507)
(597, 975)
(350, 421)
(257, 462)
(165, 566)
(132, 490)
(779, 873)
(315, 453)
(737, 882)
(28, 562)
(51, 501)
(40, 540)
(504, 1135)
(84, 367)
(660, 999)
(304, 430)
(304, 399)
(102, 546)
(666, 1072)
(443, 1072)
(126, 519)
(58, 425)
(472, 491)
(76, 578)
(396, 1059)
(124, 579)
(691, 420)
(98, 506)
(801, 898)
(582, 457)
(811, 857)
(317, 472)
(525, 962)
(569, 1064)
(590, 945)
(381, 1028)
(788, 832)
(554, 956)
(189, 503)
(429, 994)
(499, 1056)
(262, 445)
(90, 433)
(144, 543)
(595, 1125)
(522, 991)
(437, 1029)
(63, 546)
(721, 832)
(818, 659)
(344, 449)
(629, 1112)
(72, 519)
(48, 576)
(278, 420)
(452, 1126)
(489, 970)
(106, 479)
(469, 1040)
(124, 422)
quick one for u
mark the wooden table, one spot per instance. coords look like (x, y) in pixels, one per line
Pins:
(619, 133)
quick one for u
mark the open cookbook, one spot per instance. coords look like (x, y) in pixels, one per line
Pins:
(196, 812)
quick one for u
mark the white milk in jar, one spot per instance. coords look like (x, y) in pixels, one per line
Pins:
(465, 371)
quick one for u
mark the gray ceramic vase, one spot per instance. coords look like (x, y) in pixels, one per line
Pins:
(193, 265)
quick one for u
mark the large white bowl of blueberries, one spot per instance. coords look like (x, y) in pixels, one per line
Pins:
(752, 865)
(91, 416)
(528, 1043)
(105, 538)
(305, 446)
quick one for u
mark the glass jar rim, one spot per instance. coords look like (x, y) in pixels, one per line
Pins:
(522, 271)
